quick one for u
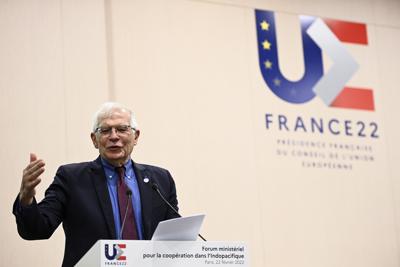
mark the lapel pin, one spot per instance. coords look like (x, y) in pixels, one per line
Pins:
(146, 180)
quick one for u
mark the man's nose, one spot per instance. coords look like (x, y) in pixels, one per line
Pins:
(113, 134)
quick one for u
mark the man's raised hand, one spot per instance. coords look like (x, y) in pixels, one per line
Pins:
(30, 179)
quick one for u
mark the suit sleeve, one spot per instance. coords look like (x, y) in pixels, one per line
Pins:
(172, 198)
(167, 188)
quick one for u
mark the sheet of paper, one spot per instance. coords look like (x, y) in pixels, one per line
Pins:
(179, 229)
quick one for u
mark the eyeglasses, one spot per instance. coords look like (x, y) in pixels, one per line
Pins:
(120, 130)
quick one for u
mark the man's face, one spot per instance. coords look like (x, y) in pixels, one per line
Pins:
(115, 146)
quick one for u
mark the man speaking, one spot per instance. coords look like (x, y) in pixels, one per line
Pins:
(111, 197)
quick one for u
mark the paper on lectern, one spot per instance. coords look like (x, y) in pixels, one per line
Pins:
(179, 229)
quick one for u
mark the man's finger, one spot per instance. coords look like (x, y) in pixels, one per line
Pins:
(32, 157)
(33, 166)
(33, 174)
(31, 185)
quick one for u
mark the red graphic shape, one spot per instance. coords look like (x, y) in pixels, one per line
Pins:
(121, 246)
(355, 98)
(348, 32)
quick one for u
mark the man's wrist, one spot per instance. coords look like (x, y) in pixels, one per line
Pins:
(25, 201)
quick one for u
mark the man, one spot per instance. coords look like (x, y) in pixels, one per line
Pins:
(84, 197)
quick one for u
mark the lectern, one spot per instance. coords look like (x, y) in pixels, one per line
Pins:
(129, 253)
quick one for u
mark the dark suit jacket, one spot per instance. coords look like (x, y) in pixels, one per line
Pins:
(79, 199)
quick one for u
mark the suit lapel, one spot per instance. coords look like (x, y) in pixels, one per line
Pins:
(144, 183)
(100, 185)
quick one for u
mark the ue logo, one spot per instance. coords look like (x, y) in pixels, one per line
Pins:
(116, 252)
(318, 35)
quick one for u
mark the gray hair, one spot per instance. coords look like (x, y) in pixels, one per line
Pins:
(106, 109)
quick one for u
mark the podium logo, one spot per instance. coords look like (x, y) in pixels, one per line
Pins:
(116, 253)
(318, 35)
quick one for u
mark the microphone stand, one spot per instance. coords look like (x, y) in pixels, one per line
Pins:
(155, 187)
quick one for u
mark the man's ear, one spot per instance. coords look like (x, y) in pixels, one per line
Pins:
(137, 133)
(94, 140)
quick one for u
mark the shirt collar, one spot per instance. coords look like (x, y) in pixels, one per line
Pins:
(110, 169)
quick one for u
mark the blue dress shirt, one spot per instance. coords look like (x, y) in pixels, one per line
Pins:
(130, 180)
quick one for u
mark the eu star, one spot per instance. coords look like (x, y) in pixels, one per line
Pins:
(268, 64)
(264, 25)
(266, 45)
(277, 82)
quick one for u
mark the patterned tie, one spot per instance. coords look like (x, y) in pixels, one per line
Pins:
(129, 231)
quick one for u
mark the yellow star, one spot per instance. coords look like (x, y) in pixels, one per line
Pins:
(264, 25)
(277, 82)
(268, 64)
(266, 45)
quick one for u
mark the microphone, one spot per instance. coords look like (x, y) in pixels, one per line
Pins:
(155, 188)
(129, 194)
